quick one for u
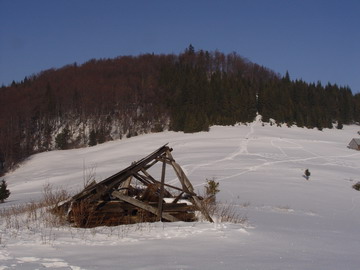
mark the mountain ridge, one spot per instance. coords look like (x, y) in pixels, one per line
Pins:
(108, 99)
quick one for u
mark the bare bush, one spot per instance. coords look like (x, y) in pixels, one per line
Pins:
(52, 197)
(36, 214)
(220, 212)
(224, 212)
(89, 175)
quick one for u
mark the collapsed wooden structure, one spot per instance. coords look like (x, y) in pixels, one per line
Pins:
(133, 195)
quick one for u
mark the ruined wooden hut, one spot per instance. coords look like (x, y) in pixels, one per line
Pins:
(133, 195)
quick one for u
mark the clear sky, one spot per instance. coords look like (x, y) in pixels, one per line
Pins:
(315, 40)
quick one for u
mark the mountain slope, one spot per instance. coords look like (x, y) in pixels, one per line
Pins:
(102, 100)
(293, 223)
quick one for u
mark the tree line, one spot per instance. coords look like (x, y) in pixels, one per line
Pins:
(106, 99)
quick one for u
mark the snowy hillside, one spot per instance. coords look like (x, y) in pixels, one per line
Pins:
(292, 223)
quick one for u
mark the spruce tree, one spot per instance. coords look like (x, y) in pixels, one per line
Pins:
(61, 140)
(4, 192)
(92, 138)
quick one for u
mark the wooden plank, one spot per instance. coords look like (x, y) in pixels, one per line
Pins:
(142, 179)
(202, 208)
(180, 174)
(136, 166)
(161, 197)
(143, 205)
(176, 207)
(116, 179)
(148, 166)
(124, 187)
(188, 186)
(178, 197)
(156, 181)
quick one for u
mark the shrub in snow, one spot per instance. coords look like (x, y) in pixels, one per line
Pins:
(339, 125)
(356, 186)
(211, 189)
(4, 192)
(307, 174)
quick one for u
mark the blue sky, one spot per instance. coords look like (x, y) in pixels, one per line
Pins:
(315, 40)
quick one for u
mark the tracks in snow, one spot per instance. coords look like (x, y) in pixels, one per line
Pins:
(298, 154)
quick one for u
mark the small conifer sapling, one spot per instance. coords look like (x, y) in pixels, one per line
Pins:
(211, 188)
(4, 192)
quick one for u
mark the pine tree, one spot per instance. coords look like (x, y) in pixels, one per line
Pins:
(4, 192)
(92, 138)
(62, 138)
(211, 189)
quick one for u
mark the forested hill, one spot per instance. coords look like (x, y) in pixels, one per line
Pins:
(107, 99)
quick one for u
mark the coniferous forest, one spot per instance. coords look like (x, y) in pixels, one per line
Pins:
(107, 99)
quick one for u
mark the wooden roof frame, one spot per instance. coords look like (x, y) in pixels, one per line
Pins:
(117, 184)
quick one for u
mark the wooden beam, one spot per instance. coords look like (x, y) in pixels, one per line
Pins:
(178, 197)
(142, 179)
(148, 166)
(143, 205)
(124, 187)
(188, 186)
(166, 185)
(116, 179)
(161, 197)
(180, 174)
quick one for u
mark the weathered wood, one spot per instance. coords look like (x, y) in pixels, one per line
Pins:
(156, 181)
(120, 206)
(198, 203)
(142, 179)
(144, 206)
(112, 201)
(188, 217)
(176, 207)
(179, 173)
(150, 194)
(161, 196)
(124, 187)
(187, 186)
(116, 179)
(112, 220)
(148, 166)
(178, 197)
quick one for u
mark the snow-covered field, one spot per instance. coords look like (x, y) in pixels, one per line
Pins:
(292, 223)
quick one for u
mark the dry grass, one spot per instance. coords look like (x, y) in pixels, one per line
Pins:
(35, 214)
(224, 212)
(220, 212)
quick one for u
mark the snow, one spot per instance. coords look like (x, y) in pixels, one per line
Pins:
(292, 223)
